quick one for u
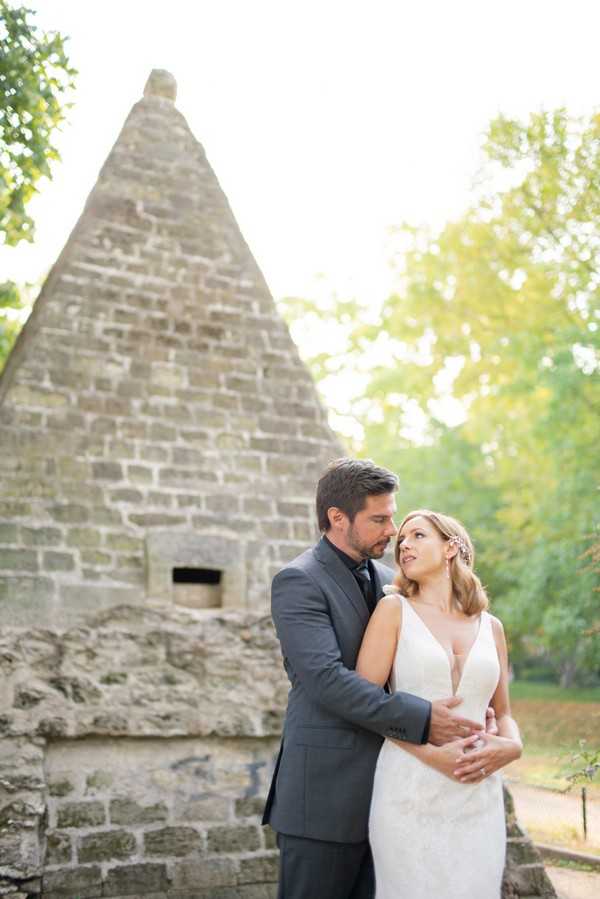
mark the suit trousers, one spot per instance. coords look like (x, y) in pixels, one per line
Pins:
(317, 869)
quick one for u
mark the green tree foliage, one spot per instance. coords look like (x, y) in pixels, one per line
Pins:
(35, 75)
(35, 79)
(499, 316)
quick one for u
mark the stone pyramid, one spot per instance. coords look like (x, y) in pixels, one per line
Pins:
(160, 435)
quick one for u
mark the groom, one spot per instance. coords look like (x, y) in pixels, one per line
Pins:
(321, 603)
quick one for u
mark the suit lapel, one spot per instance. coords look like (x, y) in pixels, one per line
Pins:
(343, 578)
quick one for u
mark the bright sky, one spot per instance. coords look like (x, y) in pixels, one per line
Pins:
(326, 122)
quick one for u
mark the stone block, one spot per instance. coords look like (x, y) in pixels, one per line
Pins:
(83, 538)
(103, 847)
(126, 495)
(124, 543)
(140, 474)
(71, 513)
(276, 530)
(226, 441)
(128, 811)
(27, 697)
(232, 838)
(162, 433)
(269, 445)
(68, 883)
(98, 781)
(14, 510)
(103, 515)
(95, 557)
(70, 469)
(205, 872)
(156, 519)
(294, 510)
(107, 471)
(175, 841)
(81, 814)
(23, 395)
(158, 498)
(52, 727)
(223, 504)
(8, 533)
(135, 430)
(520, 851)
(60, 787)
(181, 477)
(18, 559)
(206, 893)
(242, 891)
(269, 837)
(154, 453)
(248, 808)
(303, 530)
(114, 677)
(141, 879)
(103, 426)
(527, 880)
(59, 849)
(55, 561)
(187, 456)
(203, 808)
(259, 868)
(282, 465)
(258, 508)
(121, 449)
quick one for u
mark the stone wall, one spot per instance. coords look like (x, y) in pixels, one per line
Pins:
(136, 756)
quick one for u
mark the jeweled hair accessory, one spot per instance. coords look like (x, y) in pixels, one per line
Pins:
(463, 549)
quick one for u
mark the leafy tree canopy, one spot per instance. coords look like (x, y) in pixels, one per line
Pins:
(35, 79)
(35, 75)
(498, 316)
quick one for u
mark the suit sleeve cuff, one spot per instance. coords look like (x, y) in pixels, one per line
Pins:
(425, 737)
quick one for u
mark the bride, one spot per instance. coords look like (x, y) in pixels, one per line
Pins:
(437, 819)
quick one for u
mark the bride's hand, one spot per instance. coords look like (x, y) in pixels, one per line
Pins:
(445, 758)
(490, 754)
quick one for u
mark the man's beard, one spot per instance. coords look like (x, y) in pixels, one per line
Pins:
(374, 551)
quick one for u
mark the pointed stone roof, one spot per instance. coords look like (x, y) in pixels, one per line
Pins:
(155, 409)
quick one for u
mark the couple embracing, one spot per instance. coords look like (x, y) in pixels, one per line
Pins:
(398, 715)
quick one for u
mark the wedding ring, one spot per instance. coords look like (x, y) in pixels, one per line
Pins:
(482, 771)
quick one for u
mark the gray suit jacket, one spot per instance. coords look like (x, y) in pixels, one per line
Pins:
(335, 719)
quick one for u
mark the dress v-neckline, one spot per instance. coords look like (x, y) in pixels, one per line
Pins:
(446, 656)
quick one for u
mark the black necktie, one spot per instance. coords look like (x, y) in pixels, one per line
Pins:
(361, 573)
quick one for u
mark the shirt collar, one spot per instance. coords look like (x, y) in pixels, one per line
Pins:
(348, 561)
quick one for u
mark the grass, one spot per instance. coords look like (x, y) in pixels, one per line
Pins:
(552, 722)
(552, 692)
(566, 837)
(571, 865)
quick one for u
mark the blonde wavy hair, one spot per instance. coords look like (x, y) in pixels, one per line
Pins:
(467, 590)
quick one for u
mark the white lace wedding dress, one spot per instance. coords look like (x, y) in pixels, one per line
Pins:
(434, 838)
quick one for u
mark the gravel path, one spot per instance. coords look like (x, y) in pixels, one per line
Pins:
(541, 809)
(544, 809)
(575, 884)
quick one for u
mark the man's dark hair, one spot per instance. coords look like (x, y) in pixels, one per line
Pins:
(346, 483)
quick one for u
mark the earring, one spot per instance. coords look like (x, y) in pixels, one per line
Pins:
(448, 568)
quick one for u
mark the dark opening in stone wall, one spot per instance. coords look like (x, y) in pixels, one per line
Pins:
(197, 588)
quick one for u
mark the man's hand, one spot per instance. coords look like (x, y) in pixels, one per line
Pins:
(446, 726)
(491, 725)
